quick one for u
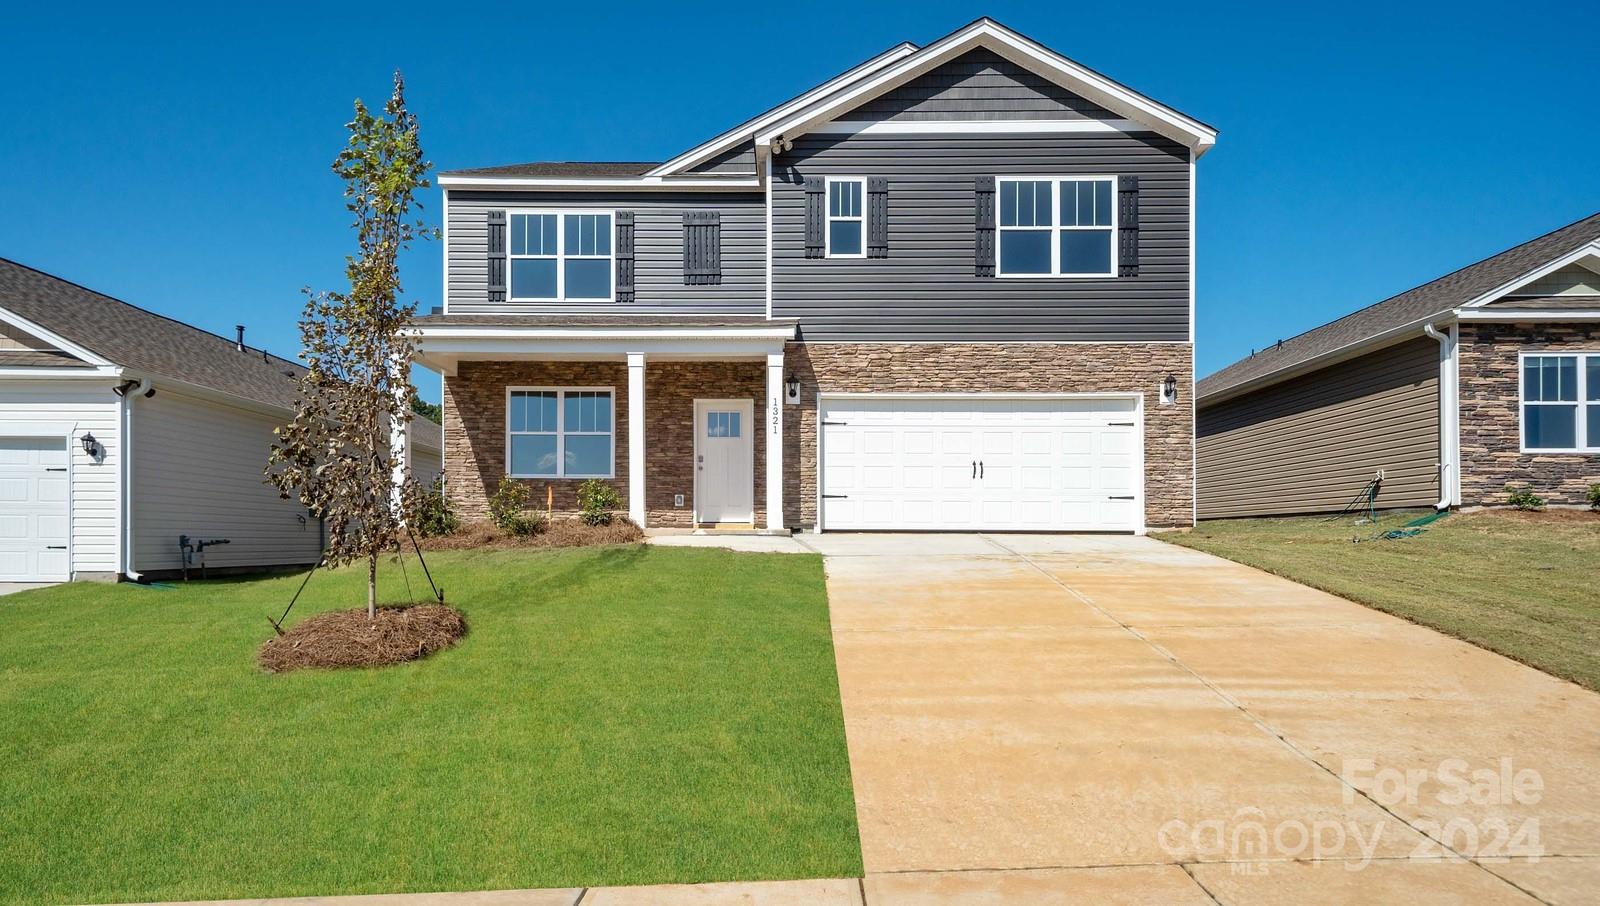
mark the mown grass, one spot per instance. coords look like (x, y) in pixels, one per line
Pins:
(615, 715)
(1522, 584)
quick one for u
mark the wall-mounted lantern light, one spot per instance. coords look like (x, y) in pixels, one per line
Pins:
(791, 390)
(1169, 390)
(90, 445)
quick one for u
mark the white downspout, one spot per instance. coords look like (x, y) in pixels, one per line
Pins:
(1449, 438)
(128, 397)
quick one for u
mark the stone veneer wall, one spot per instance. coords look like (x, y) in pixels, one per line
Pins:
(992, 367)
(475, 426)
(1491, 423)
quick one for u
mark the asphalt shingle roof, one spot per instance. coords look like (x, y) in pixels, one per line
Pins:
(1427, 300)
(143, 341)
(576, 168)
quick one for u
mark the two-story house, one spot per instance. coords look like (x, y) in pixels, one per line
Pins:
(950, 289)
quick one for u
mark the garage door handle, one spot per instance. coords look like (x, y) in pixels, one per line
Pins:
(1120, 497)
(1119, 424)
(834, 496)
(56, 469)
(826, 422)
(55, 547)
(980, 468)
(974, 468)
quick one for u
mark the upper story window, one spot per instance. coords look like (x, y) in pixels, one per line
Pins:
(1057, 227)
(1561, 403)
(847, 218)
(560, 255)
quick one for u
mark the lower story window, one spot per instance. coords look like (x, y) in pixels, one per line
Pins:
(559, 433)
(1561, 403)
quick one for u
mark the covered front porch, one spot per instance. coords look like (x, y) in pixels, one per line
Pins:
(683, 415)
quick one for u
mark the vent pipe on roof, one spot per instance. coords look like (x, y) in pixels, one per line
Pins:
(238, 342)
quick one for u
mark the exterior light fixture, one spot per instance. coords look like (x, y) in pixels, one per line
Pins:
(90, 445)
(791, 389)
(1169, 390)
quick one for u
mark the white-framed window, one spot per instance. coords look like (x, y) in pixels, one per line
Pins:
(847, 217)
(1560, 402)
(560, 432)
(556, 256)
(1057, 226)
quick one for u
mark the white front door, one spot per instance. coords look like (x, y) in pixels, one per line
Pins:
(34, 522)
(985, 463)
(724, 461)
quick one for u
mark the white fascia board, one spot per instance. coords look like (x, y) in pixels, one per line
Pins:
(619, 333)
(1590, 252)
(998, 127)
(1023, 52)
(444, 353)
(185, 388)
(58, 341)
(55, 374)
(710, 149)
(726, 184)
(1528, 314)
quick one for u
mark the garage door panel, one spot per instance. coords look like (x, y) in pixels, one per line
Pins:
(910, 463)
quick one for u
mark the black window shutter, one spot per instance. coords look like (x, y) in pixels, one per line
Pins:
(816, 221)
(624, 256)
(983, 224)
(702, 248)
(497, 256)
(1128, 226)
(877, 217)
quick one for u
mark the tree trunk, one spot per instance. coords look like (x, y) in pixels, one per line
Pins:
(372, 587)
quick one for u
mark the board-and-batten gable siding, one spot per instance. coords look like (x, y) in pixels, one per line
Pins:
(197, 471)
(1572, 280)
(658, 251)
(982, 85)
(1309, 444)
(926, 289)
(86, 408)
(738, 159)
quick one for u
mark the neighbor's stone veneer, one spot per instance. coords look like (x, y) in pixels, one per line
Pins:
(475, 416)
(1491, 423)
(993, 367)
(475, 429)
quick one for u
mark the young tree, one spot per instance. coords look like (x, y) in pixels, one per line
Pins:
(338, 455)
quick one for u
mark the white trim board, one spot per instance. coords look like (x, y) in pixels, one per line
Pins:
(735, 184)
(988, 127)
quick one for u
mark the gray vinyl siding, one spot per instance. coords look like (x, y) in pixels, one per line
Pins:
(739, 159)
(1309, 444)
(925, 289)
(197, 471)
(980, 85)
(658, 251)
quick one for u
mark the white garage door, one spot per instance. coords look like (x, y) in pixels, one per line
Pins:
(33, 510)
(981, 463)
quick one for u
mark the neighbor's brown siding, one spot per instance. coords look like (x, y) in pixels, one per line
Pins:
(1311, 443)
(1491, 425)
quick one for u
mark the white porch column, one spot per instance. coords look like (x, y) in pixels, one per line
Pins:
(774, 419)
(636, 438)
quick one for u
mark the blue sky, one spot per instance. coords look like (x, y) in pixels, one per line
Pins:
(179, 158)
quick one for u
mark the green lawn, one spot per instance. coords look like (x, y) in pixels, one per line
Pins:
(1523, 584)
(615, 715)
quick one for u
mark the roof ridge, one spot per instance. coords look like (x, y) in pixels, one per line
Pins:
(184, 324)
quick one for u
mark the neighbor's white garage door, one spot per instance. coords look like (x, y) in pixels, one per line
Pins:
(33, 510)
(981, 463)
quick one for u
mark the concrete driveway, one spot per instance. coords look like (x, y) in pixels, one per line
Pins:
(1114, 719)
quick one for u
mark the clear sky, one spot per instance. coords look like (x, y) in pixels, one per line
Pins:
(179, 158)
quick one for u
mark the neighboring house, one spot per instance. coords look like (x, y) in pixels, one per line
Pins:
(122, 430)
(1484, 378)
(951, 288)
(425, 453)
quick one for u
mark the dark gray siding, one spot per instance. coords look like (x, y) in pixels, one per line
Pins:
(735, 160)
(925, 289)
(658, 251)
(980, 85)
(1309, 444)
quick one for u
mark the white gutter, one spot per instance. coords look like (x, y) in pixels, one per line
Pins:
(778, 332)
(125, 476)
(1528, 314)
(1449, 409)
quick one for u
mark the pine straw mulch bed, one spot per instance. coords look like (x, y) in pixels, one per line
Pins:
(560, 533)
(346, 638)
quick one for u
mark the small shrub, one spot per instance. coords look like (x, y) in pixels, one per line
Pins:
(596, 501)
(1523, 498)
(1594, 496)
(435, 518)
(508, 509)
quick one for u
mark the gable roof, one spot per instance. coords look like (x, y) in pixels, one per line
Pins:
(143, 341)
(1408, 310)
